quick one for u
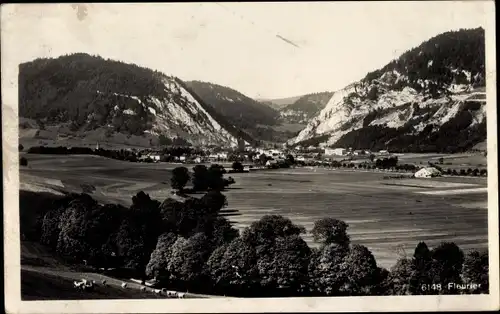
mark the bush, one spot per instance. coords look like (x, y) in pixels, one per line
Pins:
(180, 177)
(23, 161)
(237, 166)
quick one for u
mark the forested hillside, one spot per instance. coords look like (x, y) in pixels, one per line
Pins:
(89, 92)
(259, 120)
(431, 99)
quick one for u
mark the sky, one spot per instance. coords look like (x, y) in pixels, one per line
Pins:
(264, 50)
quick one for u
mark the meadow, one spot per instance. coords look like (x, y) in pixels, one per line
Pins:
(388, 216)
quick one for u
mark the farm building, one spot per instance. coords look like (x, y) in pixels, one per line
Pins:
(428, 172)
(335, 151)
(271, 162)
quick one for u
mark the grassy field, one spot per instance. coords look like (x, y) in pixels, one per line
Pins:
(454, 161)
(46, 277)
(388, 216)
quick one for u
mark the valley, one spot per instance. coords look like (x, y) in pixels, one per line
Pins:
(389, 217)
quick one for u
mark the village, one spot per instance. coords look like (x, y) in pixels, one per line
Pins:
(268, 156)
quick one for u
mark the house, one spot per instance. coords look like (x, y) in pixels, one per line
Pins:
(182, 158)
(155, 157)
(198, 160)
(271, 162)
(428, 172)
(383, 152)
(335, 151)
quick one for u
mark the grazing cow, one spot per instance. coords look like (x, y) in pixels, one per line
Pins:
(124, 285)
(143, 289)
(180, 295)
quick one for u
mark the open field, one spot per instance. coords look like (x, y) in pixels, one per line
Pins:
(454, 161)
(388, 216)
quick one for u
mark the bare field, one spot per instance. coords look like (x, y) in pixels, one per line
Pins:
(388, 216)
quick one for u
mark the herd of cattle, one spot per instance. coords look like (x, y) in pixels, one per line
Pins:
(88, 285)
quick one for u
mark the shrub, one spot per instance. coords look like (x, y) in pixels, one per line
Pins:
(237, 166)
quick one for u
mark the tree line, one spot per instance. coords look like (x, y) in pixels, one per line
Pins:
(203, 178)
(191, 246)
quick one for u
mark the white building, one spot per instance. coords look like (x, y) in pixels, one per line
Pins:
(428, 172)
(271, 162)
(155, 157)
(335, 151)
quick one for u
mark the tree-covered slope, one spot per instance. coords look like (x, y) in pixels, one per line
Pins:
(89, 92)
(241, 110)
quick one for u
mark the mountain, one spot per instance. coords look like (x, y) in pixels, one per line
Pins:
(431, 99)
(241, 110)
(305, 108)
(89, 94)
(257, 119)
(279, 103)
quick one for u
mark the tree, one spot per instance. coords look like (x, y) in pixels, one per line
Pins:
(50, 227)
(200, 178)
(361, 272)
(476, 270)
(214, 201)
(290, 159)
(237, 166)
(329, 230)
(233, 267)
(215, 177)
(220, 232)
(157, 265)
(187, 258)
(399, 277)
(325, 272)
(75, 224)
(273, 236)
(180, 177)
(270, 227)
(421, 265)
(289, 266)
(372, 157)
(262, 159)
(447, 261)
